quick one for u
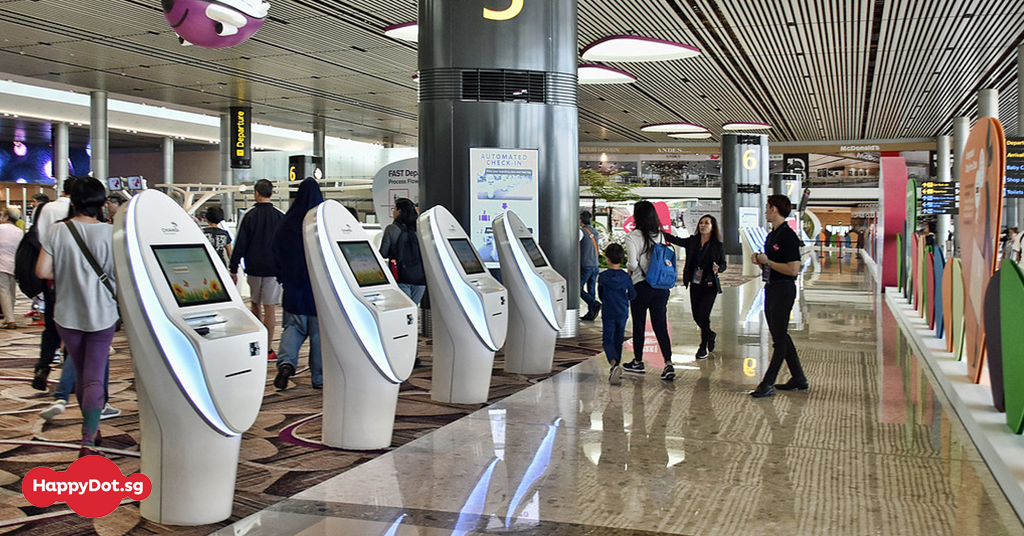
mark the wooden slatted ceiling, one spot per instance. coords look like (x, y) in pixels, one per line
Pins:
(835, 69)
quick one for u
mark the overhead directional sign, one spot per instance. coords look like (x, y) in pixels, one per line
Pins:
(1014, 167)
(939, 197)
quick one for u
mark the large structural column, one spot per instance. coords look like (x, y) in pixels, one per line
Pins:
(944, 144)
(99, 140)
(59, 132)
(988, 103)
(168, 152)
(961, 131)
(227, 175)
(504, 80)
(744, 187)
(320, 142)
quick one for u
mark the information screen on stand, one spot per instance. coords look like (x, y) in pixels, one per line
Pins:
(1015, 167)
(939, 197)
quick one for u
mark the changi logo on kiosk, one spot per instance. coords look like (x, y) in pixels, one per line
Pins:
(510, 13)
(173, 229)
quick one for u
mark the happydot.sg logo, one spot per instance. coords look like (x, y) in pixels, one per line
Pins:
(92, 486)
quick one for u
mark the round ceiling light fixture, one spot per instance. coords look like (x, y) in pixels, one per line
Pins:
(746, 125)
(626, 48)
(406, 31)
(690, 135)
(588, 74)
(675, 128)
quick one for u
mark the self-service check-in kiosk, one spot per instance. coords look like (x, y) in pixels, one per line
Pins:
(469, 310)
(368, 329)
(537, 293)
(199, 358)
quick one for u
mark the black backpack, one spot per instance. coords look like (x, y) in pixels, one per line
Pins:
(408, 260)
(25, 262)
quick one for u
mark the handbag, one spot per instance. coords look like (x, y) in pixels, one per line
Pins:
(104, 278)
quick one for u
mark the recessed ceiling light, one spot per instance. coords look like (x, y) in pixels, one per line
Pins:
(599, 74)
(744, 125)
(406, 31)
(690, 135)
(670, 128)
(635, 48)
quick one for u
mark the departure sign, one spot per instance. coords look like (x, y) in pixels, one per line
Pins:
(939, 197)
(1014, 167)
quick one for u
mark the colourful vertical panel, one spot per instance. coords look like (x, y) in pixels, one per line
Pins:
(893, 201)
(1011, 310)
(994, 341)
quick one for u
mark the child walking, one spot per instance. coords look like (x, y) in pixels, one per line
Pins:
(615, 291)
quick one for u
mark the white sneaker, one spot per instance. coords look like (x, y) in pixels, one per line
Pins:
(51, 411)
(109, 412)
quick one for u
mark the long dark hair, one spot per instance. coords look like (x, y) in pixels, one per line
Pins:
(646, 219)
(406, 216)
(87, 197)
(716, 234)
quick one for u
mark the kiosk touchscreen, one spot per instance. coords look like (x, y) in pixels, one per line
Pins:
(199, 357)
(537, 294)
(469, 310)
(368, 329)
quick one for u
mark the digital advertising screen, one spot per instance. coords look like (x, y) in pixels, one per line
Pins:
(191, 274)
(533, 251)
(364, 264)
(467, 257)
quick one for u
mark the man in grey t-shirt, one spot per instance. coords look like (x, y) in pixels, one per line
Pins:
(589, 265)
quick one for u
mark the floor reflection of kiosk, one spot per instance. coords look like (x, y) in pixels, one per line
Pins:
(199, 358)
(469, 310)
(538, 297)
(368, 330)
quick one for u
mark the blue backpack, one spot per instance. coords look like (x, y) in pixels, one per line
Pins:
(662, 271)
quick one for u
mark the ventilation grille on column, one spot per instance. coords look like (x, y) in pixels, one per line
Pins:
(497, 85)
(503, 86)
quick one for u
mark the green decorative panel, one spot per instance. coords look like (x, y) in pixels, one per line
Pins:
(957, 311)
(1011, 302)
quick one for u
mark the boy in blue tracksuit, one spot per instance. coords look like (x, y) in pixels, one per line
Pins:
(615, 290)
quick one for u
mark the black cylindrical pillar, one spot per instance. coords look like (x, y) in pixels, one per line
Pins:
(505, 81)
(744, 186)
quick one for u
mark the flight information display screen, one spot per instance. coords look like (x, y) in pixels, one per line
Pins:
(533, 251)
(364, 264)
(466, 254)
(191, 274)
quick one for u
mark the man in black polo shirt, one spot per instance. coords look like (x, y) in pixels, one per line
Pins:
(780, 263)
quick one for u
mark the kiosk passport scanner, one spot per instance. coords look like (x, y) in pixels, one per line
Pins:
(368, 329)
(469, 310)
(537, 293)
(199, 357)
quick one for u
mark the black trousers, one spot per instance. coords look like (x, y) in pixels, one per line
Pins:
(50, 340)
(702, 300)
(654, 300)
(778, 303)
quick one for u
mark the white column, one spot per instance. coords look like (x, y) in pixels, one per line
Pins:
(961, 130)
(99, 139)
(944, 144)
(59, 133)
(168, 151)
(988, 103)
(227, 175)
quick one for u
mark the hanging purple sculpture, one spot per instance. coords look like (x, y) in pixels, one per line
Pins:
(215, 23)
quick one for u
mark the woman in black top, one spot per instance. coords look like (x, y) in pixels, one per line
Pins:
(781, 263)
(705, 259)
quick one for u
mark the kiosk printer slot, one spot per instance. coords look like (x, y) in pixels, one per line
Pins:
(367, 329)
(537, 293)
(199, 357)
(469, 310)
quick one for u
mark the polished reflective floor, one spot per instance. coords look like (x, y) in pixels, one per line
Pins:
(871, 448)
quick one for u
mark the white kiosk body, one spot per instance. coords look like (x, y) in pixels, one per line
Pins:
(469, 310)
(537, 294)
(199, 357)
(368, 329)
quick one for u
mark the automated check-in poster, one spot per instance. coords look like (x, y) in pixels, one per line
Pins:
(503, 179)
(981, 209)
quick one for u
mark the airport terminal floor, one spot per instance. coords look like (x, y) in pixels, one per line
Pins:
(871, 448)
